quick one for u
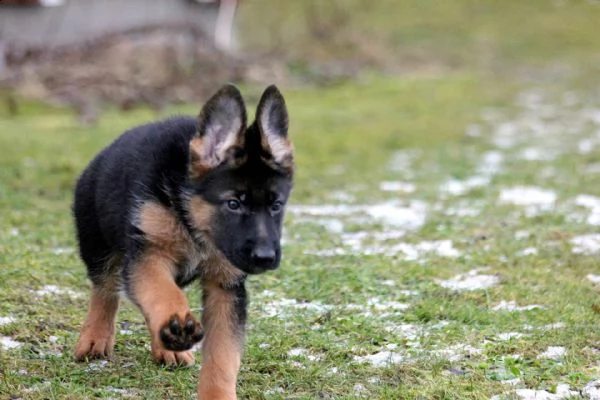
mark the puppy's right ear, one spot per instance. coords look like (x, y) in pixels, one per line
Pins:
(221, 126)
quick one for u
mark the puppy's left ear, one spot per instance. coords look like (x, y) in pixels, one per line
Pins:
(272, 121)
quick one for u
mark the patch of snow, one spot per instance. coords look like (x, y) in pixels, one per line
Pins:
(506, 135)
(331, 225)
(511, 382)
(586, 146)
(553, 353)
(53, 339)
(359, 387)
(264, 346)
(55, 290)
(442, 248)
(97, 365)
(457, 187)
(297, 364)
(62, 250)
(380, 305)
(457, 352)
(562, 392)
(510, 335)
(592, 390)
(381, 359)
(409, 217)
(297, 352)
(530, 251)
(122, 392)
(14, 232)
(396, 186)
(472, 280)
(7, 320)
(537, 154)
(283, 307)
(8, 343)
(534, 199)
(462, 211)
(591, 277)
(402, 160)
(593, 204)
(586, 244)
(408, 331)
(520, 235)
(275, 390)
(491, 163)
(513, 306)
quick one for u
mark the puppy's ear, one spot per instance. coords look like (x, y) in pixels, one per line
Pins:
(272, 121)
(221, 126)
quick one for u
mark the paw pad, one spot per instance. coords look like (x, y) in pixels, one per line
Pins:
(181, 334)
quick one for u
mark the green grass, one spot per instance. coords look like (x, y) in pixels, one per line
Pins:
(312, 320)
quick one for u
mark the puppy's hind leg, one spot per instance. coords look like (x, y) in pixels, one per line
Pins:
(97, 336)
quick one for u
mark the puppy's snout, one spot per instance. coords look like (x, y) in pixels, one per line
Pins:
(263, 256)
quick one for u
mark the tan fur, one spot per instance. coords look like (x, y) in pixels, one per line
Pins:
(160, 298)
(162, 229)
(221, 347)
(97, 336)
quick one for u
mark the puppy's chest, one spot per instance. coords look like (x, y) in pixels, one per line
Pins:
(189, 267)
(166, 236)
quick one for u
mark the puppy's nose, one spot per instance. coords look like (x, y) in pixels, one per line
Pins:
(263, 256)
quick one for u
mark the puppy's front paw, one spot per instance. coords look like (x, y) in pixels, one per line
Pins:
(180, 334)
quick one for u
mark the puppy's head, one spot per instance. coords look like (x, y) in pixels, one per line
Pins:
(240, 177)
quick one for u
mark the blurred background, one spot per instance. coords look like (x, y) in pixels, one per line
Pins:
(88, 54)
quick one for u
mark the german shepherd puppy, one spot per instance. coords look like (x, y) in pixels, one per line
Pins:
(184, 199)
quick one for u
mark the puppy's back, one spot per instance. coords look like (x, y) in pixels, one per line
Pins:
(143, 163)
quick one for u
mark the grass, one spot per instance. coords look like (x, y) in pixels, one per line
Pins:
(340, 298)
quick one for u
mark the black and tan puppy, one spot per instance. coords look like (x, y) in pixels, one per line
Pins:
(184, 199)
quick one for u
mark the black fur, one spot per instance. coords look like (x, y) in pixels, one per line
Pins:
(214, 162)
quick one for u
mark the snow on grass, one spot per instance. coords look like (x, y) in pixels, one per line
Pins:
(592, 390)
(56, 290)
(381, 359)
(510, 335)
(287, 307)
(457, 352)
(586, 244)
(529, 251)
(537, 154)
(563, 391)
(409, 217)
(63, 250)
(593, 278)
(472, 280)
(455, 187)
(392, 213)
(535, 200)
(412, 252)
(7, 320)
(593, 204)
(491, 163)
(8, 343)
(513, 306)
(553, 353)
(396, 186)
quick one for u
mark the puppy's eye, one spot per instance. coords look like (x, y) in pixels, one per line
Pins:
(234, 205)
(276, 207)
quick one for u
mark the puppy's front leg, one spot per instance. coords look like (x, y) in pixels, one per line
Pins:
(224, 321)
(173, 329)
